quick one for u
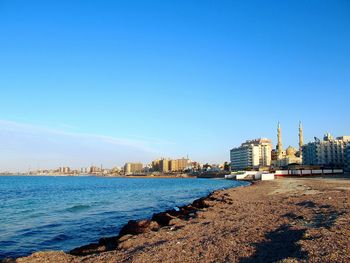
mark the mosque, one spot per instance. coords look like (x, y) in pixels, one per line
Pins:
(290, 155)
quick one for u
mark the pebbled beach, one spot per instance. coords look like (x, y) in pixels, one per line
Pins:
(285, 220)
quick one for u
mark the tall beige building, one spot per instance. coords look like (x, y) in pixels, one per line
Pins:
(164, 165)
(170, 165)
(131, 168)
(94, 169)
(251, 154)
(181, 164)
(173, 165)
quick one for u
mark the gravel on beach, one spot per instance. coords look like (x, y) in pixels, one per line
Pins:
(285, 220)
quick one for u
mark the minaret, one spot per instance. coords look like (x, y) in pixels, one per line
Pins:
(279, 142)
(301, 140)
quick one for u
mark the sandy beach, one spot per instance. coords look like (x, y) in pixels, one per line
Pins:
(286, 220)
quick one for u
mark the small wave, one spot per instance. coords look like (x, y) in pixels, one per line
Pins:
(77, 208)
(104, 202)
(60, 237)
(38, 214)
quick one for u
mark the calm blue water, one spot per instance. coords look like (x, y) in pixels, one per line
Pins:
(61, 213)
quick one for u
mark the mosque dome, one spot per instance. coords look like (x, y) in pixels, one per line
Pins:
(291, 151)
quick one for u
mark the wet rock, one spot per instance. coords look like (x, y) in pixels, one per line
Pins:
(8, 260)
(200, 203)
(138, 227)
(87, 250)
(109, 243)
(162, 219)
(104, 244)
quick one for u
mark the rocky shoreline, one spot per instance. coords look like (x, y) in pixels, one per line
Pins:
(286, 220)
(133, 227)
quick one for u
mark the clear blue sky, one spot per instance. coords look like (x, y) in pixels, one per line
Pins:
(112, 81)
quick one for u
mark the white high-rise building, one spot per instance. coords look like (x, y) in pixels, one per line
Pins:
(327, 152)
(347, 157)
(252, 154)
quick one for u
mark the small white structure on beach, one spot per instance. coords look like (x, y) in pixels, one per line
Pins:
(267, 176)
(253, 175)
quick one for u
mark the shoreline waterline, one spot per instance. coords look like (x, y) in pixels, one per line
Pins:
(112, 241)
(246, 224)
(166, 202)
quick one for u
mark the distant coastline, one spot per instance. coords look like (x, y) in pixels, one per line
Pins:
(106, 176)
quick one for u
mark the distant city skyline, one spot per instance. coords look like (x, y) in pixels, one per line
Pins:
(46, 148)
(130, 81)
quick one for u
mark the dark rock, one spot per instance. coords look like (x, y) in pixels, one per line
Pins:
(200, 203)
(87, 250)
(138, 227)
(109, 243)
(163, 218)
(8, 260)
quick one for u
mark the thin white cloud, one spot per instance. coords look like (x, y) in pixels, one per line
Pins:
(144, 144)
(23, 145)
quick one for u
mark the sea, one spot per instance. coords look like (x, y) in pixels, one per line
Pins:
(39, 213)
